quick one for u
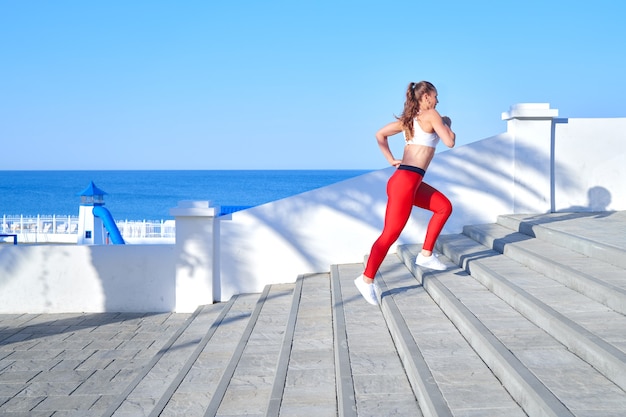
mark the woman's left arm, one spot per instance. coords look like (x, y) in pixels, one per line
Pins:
(442, 126)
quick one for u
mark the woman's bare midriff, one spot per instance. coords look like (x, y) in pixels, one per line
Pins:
(418, 156)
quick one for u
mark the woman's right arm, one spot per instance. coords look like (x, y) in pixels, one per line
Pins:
(382, 136)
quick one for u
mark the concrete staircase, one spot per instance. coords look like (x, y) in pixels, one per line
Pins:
(527, 321)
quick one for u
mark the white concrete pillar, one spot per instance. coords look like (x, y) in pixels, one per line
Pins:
(197, 263)
(530, 126)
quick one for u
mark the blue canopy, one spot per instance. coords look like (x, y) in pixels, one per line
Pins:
(91, 191)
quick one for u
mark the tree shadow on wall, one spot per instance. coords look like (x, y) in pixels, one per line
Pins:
(474, 177)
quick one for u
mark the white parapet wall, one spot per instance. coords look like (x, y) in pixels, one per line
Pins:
(80, 278)
(542, 163)
(309, 232)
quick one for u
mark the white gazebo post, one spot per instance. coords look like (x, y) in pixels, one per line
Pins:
(197, 265)
(530, 125)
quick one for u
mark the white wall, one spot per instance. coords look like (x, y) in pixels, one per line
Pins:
(590, 173)
(77, 278)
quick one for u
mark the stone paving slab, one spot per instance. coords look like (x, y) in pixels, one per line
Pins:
(71, 363)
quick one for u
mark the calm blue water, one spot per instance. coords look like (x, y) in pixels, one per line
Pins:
(139, 195)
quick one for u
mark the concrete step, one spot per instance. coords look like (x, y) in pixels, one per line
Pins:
(371, 378)
(518, 326)
(246, 385)
(601, 236)
(447, 374)
(305, 381)
(601, 281)
(538, 371)
(580, 300)
(543, 308)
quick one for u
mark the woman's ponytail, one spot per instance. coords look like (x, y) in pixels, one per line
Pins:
(411, 108)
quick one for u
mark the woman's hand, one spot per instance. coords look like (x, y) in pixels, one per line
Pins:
(446, 121)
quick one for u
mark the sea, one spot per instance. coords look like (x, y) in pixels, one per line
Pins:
(149, 195)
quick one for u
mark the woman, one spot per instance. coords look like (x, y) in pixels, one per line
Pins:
(423, 127)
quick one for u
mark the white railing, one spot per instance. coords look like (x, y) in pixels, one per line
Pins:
(147, 229)
(51, 228)
(42, 224)
(64, 229)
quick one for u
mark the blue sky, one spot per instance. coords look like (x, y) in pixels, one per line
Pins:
(284, 84)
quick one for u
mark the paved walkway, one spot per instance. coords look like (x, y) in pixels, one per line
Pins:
(75, 362)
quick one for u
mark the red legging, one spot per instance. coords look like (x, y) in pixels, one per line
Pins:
(405, 189)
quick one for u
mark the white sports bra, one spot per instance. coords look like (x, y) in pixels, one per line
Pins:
(422, 138)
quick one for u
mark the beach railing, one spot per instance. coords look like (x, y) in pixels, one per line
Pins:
(147, 228)
(48, 224)
(64, 229)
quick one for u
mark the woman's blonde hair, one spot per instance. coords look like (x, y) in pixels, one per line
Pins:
(414, 93)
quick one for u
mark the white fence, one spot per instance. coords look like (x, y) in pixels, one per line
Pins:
(147, 229)
(53, 228)
(20, 224)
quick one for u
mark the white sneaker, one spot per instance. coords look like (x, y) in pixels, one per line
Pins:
(431, 262)
(368, 291)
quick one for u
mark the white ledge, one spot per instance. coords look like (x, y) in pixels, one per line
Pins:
(530, 111)
(194, 209)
